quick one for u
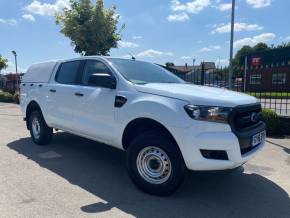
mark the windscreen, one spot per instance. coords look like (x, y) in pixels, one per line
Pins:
(140, 72)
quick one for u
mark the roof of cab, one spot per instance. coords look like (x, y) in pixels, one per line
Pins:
(41, 72)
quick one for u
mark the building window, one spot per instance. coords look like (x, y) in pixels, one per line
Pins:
(255, 79)
(279, 78)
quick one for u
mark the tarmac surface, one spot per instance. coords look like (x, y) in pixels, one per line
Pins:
(76, 177)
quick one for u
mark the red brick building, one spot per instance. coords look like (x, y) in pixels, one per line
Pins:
(268, 71)
(11, 82)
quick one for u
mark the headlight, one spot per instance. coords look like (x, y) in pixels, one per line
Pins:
(208, 113)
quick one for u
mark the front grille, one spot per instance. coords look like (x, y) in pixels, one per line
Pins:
(245, 122)
(246, 116)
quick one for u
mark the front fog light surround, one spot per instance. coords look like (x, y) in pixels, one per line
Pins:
(208, 113)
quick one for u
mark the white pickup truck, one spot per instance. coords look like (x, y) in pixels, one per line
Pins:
(165, 125)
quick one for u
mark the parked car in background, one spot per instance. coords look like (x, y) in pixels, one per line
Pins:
(165, 125)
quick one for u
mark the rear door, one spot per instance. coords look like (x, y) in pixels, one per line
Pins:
(94, 115)
(62, 95)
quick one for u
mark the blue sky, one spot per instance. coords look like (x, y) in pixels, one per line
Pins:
(156, 30)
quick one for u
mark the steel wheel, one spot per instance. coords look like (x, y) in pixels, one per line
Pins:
(36, 128)
(153, 165)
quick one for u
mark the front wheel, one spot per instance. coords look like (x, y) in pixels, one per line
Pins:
(41, 134)
(155, 163)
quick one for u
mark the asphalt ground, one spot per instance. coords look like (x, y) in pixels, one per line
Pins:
(76, 177)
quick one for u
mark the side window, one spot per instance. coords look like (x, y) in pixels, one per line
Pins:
(255, 79)
(67, 73)
(279, 78)
(94, 67)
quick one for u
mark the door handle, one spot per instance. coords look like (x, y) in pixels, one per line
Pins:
(52, 90)
(79, 94)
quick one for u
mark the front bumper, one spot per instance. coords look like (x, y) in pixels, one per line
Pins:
(218, 137)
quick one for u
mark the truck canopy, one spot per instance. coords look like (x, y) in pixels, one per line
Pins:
(39, 73)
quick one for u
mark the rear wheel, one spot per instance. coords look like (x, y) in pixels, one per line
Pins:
(41, 134)
(155, 163)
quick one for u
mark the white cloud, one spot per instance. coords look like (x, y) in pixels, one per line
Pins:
(193, 7)
(185, 57)
(265, 37)
(11, 22)
(28, 17)
(47, 9)
(178, 17)
(205, 49)
(225, 28)
(287, 38)
(137, 37)
(126, 44)
(210, 48)
(151, 53)
(169, 53)
(225, 7)
(259, 3)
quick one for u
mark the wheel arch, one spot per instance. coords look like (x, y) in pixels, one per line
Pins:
(32, 106)
(139, 125)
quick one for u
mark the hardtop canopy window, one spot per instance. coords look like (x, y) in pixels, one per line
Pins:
(68, 72)
(140, 72)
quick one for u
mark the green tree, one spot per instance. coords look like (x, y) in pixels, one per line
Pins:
(238, 59)
(284, 45)
(3, 63)
(169, 64)
(92, 28)
(261, 47)
(245, 50)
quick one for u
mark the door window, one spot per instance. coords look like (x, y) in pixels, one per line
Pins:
(67, 73)
(94, 67)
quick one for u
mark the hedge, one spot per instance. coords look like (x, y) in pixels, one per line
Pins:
(9, 98)
(272, 121)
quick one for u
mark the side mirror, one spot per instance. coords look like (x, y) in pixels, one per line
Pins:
(103, 80)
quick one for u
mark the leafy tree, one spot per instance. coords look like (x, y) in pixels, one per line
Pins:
(245, 50)
(3, 63)
(169, 64)
(92, 28)
(284, 45)
(260, 47)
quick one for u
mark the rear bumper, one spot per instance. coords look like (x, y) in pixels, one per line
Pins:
(219, 138)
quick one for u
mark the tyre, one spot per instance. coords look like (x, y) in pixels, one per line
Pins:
(40, 133)
(155, 163)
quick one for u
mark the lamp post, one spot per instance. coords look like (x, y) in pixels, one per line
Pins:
(15, 57)
(232, 43)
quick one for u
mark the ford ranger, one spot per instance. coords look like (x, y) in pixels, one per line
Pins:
(165, 125)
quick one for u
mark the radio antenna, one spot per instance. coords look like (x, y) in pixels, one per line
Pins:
(132, 56)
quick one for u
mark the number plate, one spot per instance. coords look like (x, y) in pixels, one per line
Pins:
(258, 138)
